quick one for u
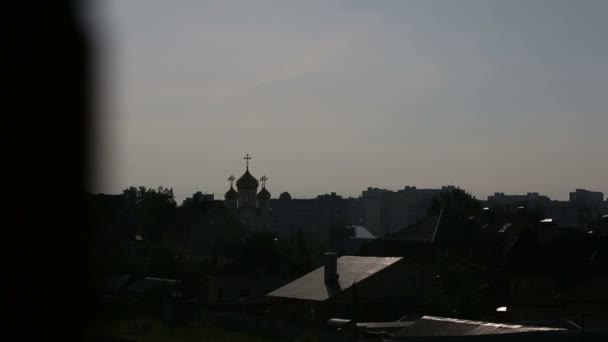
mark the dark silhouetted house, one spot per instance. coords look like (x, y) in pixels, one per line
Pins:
(350, 287)
(472, 239)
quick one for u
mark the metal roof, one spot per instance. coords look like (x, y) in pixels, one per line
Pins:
(442, 326)
(350, 269)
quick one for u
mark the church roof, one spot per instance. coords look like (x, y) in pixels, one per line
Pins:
(247, 181)
(231, 194)
(264, 194)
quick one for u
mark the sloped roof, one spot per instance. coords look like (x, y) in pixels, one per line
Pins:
(442, 326)
(350, 269)
(424, 230)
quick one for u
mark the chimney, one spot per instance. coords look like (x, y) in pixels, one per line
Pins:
(331, 267)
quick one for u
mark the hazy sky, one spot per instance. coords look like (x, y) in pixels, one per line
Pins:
(507, 96)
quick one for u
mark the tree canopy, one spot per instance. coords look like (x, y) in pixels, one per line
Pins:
(153, 209)
(456, 201)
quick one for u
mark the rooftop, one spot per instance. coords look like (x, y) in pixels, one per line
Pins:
(442, 326)
(350, 269)
(424, 230)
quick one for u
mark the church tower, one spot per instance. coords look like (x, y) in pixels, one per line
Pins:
(263, 196)
(231, 196)
(247, 187)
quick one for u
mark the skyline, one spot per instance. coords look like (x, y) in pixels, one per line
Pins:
(262, 181)
(340, 96)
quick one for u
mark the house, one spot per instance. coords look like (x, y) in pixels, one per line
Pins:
(344, 286)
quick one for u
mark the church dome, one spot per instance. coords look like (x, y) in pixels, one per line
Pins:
(231, 194)
(285, 196)
(247, 181)
(264, 194)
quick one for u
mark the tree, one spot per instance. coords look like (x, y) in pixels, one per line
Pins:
(456, 201)
(305, 253)
(457, 290)
(153, 209)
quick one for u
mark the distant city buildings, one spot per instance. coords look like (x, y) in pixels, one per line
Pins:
(582, 208)
(317, 216)
(386, 211)
(514, 201)
(199, 197)
(381, 211)
(582, 197)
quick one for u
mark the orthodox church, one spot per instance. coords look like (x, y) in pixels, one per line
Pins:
(251, 207)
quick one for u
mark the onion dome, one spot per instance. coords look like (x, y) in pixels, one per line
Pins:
(285, 196)
(264, 194)
(231, 194)
(247, 181)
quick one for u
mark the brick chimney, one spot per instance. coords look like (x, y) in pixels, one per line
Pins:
(331, 267)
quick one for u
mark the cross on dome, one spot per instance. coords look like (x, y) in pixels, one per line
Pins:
(247, 159)
(263, 181)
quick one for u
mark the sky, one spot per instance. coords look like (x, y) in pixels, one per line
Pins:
(337, 96)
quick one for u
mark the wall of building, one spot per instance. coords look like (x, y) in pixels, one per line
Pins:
(386, 212)
(584, 197)
(316, 216)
